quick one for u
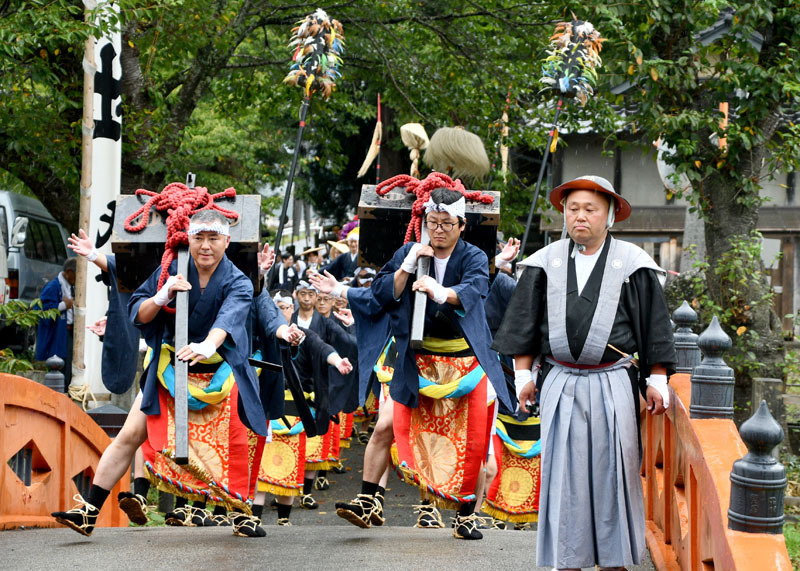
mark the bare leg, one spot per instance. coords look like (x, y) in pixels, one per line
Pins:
(480, 487)
(376, 456)
(259, 498)
(384, 478)
(138, 464)
(116, 459)
(367, 509)
(491, 470)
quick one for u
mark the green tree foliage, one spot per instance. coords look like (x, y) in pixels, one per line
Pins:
(24, 316)
(41, 85)
(202, 88)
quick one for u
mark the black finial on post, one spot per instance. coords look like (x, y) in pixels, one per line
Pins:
(758, 481)
(54, 377)
(712, 379)
(688, 353)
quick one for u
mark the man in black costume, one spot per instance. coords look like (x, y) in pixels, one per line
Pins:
(584, 306)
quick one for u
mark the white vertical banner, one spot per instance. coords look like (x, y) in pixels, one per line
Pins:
(105, 185)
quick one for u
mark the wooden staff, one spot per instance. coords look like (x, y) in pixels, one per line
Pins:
(182, 367)
(420, 298)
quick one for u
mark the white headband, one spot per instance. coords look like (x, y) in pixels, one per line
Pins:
(282, 299)
(197, 227)
(457, 209)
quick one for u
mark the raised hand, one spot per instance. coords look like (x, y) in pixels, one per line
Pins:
(81, 244)
(345, 316)
(510, 250)
(324, 283)
(266, 257)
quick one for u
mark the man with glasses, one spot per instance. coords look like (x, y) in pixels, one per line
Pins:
(440, 393)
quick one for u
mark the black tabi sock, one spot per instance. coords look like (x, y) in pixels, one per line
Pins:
(97, 496)
(466, 509)
(198, 504)
(368, 488)
(322, 473)
(180, 502)
(141, 486)
(380, 494)
(220, 510)
(308, 485)
(258, 510)
(425, 502)
(284, 511)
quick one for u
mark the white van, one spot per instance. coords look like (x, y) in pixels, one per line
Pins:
(35, 248)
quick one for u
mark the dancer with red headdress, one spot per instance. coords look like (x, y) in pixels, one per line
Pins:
(440, 392)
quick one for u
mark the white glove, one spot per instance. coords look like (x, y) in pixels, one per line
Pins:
(162, 298)
(410, 262)
(438, 291)
(206, 348)
(93, 255)
(500, 262)
(659, 382)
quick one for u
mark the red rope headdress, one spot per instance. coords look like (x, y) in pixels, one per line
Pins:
(422, 190)
(180, 203)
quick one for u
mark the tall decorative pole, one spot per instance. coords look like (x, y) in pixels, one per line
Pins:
(569, 70)
(318, 42)
(99, 186)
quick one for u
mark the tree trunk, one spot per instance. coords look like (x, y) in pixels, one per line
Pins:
(726, 222)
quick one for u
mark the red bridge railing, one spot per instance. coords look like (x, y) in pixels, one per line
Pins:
(686, 479)
(49, 450)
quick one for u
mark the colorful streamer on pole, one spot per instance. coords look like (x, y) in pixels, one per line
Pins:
(571, 71)
(317, 42)
(574, 55)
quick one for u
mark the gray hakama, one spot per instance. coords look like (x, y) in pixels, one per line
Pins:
(592, 508)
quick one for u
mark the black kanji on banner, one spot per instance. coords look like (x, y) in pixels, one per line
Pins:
(109, 89)
(108, 218)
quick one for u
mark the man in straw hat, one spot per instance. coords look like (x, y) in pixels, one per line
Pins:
(345, 264)
(312, 260)
(583, 306)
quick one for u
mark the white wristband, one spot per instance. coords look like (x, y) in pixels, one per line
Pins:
(338, 290)
(521, 378)
(93, 255)
(205, 348)
(162, 298)
(409, 264)
(439, 293)
(659, 382)
(500, 262)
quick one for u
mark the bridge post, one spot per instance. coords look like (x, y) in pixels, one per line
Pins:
(686, 348)
(54, 377)
(758, 480)
(712, 379)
